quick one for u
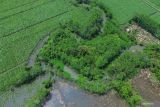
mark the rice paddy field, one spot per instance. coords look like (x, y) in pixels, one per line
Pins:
(40, 38)
(20, 32)
(21, 24)
(126, 9)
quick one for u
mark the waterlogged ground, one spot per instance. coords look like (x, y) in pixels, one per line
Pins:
(17, 97)
(66, 94)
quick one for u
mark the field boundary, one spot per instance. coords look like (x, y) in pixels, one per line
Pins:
(19, 6)
(5, 17)
(10, 69)
(21, 29)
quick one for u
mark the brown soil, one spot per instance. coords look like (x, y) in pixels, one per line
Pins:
(150, 92)
(112, 99)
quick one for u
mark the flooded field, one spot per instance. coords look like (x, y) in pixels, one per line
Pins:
(17, 97)
(66, 94)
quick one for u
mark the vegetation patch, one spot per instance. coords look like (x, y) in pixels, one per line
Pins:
(89, 37)
(43, 92)
(153, 52)
(148, 24)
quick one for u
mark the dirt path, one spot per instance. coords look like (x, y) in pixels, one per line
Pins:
(36, 50)
(149, 91)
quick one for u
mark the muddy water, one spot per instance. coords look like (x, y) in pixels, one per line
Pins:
(149, 92)
(66, 94)
(18, 96)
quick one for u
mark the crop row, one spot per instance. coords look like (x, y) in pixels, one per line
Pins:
(21, 8)
(17, 47)
(22, 20)
(127, 9)
(7, 5)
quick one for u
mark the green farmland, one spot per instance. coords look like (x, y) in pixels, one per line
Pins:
(52, 52)
(156, 2)
(125, 10)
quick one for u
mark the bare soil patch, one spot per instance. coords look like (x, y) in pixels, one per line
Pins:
(149, 91)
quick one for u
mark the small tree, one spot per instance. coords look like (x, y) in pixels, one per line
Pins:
(83, 1)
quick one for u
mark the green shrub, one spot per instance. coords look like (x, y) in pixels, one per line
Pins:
(125, 91)
(64, 74)
(106, 10)
(36, 100)
(148, 24)
(47, 83)
(111, 27)
(153, 51)
(92, 26)
(128, 65)
(30, 75)
(99, 86)
(57, 64)
(41, 94)
(83, 1)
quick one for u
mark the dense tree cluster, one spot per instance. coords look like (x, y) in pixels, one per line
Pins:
(87, 57)
(90, 27)
(124, 68)
(83, 1)
(103, 7)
